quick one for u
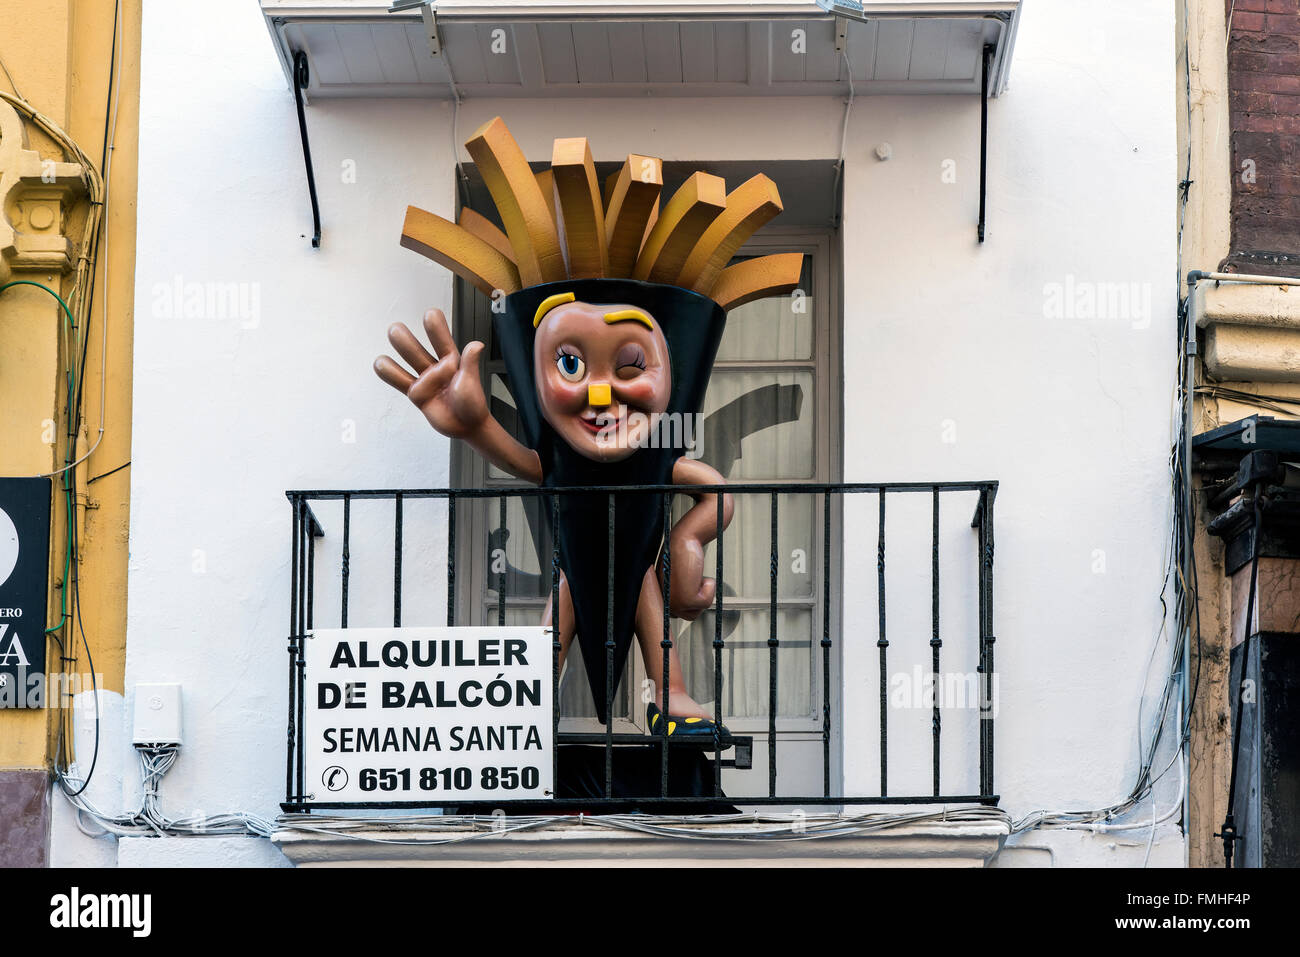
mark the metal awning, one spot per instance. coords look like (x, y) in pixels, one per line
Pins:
(666, 48)
(675, 48)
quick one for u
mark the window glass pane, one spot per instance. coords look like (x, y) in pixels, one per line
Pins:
(502, 407)
(759, 425)
(745, 679)
(747, 543)
(522, 549)
(780, 327)
(746, 561)
(776, 328)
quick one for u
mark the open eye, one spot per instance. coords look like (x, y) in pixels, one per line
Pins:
(571, 366)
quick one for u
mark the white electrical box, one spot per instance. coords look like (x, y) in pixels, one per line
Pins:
(157, 714)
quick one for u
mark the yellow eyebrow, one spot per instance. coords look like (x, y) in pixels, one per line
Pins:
(549, 303)
(636, 315)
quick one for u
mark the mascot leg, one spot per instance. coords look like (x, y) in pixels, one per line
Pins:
(649, 634)
(566, 619)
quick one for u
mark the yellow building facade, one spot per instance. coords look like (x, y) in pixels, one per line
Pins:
(68, 136)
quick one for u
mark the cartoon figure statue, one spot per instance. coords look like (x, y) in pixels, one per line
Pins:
(608, 311)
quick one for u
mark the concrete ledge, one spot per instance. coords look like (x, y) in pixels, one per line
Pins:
(198, 852)
(566, 842)
(1253, 353)
(1252, 330)
(1248, 304)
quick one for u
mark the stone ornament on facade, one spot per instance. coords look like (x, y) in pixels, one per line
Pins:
(37, 196)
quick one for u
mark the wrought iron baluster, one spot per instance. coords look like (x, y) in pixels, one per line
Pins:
(304, 533)
(451, 559)
(666, 644)
(772, 646)
(501, 577)
(397, 560)
(826, 644)
(290, 793)
(555, 641)
(935, 641)
(990, 497)
(882, 642)
(717, 653)
(609, 654)
(311, 568)
(345, 570)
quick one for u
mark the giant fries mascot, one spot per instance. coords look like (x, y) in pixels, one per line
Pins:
(613, 311)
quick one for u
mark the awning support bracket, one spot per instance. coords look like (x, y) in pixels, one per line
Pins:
(301, 77)
(428, 14)
(989, 50)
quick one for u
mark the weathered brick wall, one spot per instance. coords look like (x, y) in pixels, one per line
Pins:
(1264, 85)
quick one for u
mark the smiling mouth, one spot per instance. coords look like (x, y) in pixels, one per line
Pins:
(599, 424)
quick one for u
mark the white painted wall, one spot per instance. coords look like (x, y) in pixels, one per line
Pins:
(1070, 414)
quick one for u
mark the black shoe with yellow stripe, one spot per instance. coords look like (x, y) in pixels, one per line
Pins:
(676, 725)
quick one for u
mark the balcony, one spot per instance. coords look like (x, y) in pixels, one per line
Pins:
(374, 557)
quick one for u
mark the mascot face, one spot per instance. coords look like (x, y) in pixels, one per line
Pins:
(602, 372)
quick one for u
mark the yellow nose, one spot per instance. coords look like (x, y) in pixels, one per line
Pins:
(598, 394)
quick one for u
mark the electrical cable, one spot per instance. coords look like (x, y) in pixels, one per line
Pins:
(70, 327)
(462, 181)
(27, 282)
(90, 663)
(105, 163)
(110, 144)
(767, 827)
(1229, 830)
(9, 76)
(110, 138)
(1261, 400)
(838, 184)
(150, 819)
(103, 475)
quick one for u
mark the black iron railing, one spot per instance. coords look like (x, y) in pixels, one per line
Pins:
(307, 528)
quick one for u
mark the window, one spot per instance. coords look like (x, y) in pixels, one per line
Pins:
(771, 416)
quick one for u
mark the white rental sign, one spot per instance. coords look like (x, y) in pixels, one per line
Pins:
(428, 715)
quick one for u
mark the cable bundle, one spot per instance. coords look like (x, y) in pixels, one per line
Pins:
(150, 820)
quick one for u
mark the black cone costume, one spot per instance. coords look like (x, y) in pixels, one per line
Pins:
(692, 326)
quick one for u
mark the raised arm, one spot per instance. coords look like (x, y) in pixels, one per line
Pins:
(446, 387)
(690, 592)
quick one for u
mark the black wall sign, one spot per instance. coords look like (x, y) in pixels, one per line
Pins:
(24, 580)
